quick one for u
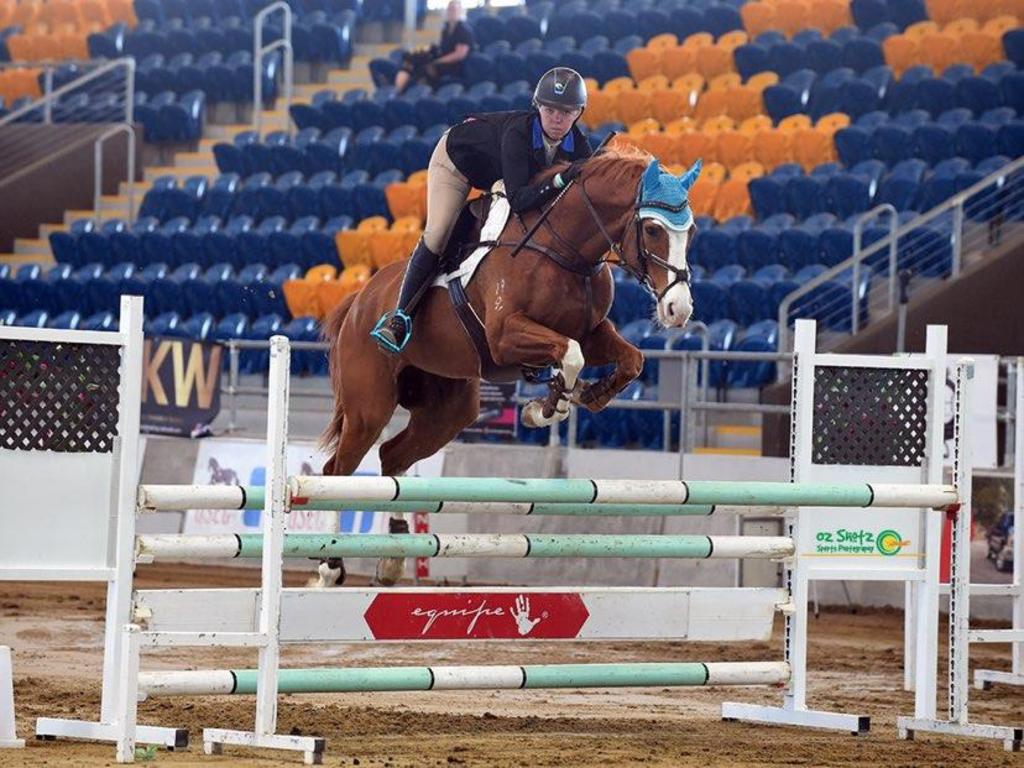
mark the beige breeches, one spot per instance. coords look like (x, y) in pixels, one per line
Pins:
(447, 190)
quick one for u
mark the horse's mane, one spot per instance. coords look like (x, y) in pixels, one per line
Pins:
(615, 164)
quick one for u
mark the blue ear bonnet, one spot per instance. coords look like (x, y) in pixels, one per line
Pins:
(664, 196)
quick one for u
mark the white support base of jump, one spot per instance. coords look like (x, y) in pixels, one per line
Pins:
(986, 678)
(49, 728)
(8, 738)
(1011, 737)
(311, 747)
(805, 718)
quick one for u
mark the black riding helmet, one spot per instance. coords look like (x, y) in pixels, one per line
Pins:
(562, 88)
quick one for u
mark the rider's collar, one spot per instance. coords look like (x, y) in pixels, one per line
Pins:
(568, 144)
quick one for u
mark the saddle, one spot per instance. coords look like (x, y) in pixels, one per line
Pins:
(467, 248)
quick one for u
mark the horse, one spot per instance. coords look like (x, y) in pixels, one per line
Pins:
(540, 299)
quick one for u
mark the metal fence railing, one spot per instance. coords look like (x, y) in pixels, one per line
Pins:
(931, 246)
(101, 95)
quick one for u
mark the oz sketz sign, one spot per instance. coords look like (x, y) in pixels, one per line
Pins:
(882, 542)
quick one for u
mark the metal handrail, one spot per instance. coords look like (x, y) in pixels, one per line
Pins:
(47, 101)
(98, 169)
(260, 50)
(954, 204)
(858, 257)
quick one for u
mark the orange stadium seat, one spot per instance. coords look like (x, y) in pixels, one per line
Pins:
(678, 61)
(960, 27)
(747, 171)
(979, 49)
(730, 41)
(830, 15)
(733, 199)
(791, 16)
(832, 122)
(773, 148)
(920, 29)
(714, 172)
(692, 146)
(744, 102)
(724, 81)
(354, 244)
(1000, 25)
(762, 80)
(633, 105)
(940, 50)
(644, 62)
(733, 147)
(754, 125)
(794, 123)
(711, 103)
(944, 11)
(669, 105)
(703, 194)
(653, 84)
(664, 40)
(698, 40)
(902, 52)
(757, 17)
(692, 85)
(713, 61)
(812, 147)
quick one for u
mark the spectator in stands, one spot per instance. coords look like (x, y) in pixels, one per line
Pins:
(439, 61)
(512, 146)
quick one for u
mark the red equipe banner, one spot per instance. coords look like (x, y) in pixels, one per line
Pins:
(477, 615)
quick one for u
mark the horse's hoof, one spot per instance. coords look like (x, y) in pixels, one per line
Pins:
(330, 573)
(533, 414)
(390, 571)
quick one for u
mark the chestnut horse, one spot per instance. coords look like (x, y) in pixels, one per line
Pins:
(532, 302)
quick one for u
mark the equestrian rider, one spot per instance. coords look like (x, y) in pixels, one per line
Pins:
(513, 146)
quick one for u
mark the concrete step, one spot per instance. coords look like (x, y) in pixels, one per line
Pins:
(181, 173)
(28, 247)
(304, 93)
(141, 187)
(727, 451)
(117, 202)
(17, 259)
(45, 230)
(735, 436)
(346, 77)
(372, 50)
(192, 159)
(105, 215)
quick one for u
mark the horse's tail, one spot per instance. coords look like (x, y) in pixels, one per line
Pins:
(332, 334)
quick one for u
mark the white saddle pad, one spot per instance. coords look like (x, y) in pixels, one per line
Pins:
(497, 217)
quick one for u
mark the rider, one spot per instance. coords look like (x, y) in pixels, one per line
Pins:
(513, 146)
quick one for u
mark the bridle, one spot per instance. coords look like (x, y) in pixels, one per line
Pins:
(644, 256)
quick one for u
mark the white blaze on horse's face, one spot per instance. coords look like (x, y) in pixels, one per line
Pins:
(676, 306)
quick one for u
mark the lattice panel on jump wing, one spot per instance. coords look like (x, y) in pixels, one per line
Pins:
(870, 416)
(58, 397)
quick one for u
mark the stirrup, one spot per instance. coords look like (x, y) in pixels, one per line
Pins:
(379, 332)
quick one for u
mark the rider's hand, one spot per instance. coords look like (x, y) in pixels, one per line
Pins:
(569, 174)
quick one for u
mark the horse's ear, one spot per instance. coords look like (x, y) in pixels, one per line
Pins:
(652, 176)
(690, 177)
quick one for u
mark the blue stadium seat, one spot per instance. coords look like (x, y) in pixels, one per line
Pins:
(318, 244)
(65, 244)
(758, 337)
(188, 243)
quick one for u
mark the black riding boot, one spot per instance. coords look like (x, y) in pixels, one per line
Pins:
(393, 330)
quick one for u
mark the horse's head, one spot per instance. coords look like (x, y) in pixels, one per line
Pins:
(657, 255)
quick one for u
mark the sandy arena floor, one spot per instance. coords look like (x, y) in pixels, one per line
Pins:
(56, 633)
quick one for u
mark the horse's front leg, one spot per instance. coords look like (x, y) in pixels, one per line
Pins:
(603, 346)
(522, 341)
